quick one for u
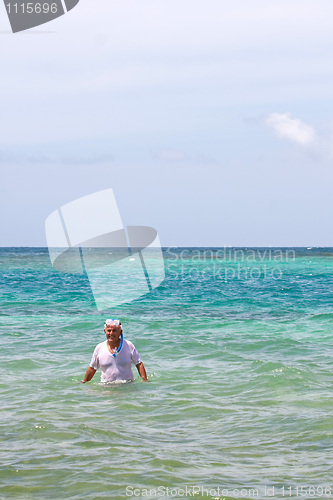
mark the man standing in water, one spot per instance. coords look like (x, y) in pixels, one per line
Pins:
(114, 356)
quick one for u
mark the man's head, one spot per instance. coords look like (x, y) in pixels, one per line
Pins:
(112, 329)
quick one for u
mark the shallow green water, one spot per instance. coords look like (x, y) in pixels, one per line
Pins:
(238, 351)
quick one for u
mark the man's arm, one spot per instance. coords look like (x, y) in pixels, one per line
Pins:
(142, 371)
(89, 375)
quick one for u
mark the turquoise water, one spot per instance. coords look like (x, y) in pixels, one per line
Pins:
(238, 348)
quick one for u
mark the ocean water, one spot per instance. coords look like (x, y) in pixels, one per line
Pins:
(238, 347)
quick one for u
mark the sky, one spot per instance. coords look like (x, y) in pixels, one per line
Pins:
(211, 120)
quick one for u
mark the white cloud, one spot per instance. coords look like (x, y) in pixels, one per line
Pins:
(292, 129)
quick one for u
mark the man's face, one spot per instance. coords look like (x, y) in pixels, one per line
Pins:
(112, 332)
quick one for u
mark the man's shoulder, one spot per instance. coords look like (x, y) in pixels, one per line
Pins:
(100, 345)
(130, 344)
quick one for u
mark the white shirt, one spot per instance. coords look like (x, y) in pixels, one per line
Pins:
(116, 367)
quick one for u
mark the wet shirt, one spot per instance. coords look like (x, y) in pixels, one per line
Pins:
(117, 367)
